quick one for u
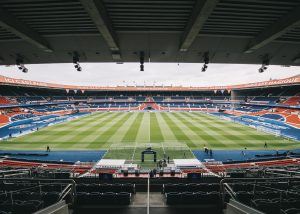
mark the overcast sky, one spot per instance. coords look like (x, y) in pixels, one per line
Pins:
(185, 74)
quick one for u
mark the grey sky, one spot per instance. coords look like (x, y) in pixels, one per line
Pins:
(187, 74)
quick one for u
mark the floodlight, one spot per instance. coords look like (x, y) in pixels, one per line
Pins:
(142, 58)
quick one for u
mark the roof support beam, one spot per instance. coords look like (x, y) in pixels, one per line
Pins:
(97, 12)
(202, 10)
(277, 29)
(12, 24)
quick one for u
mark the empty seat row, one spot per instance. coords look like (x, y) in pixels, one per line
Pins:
(275, 205)
(21, 207)
(196, 198)
(191, 187)
(291, 211)
(47, 197)
(52, 187)
(107, 198)
(245, 197)
(258, 186)
(16, 186)
(105, 188)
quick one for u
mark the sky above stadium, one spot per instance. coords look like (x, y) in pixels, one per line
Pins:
(186, 74)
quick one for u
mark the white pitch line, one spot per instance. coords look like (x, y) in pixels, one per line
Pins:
(163, 148)
(134, 151)
(148, 195)
(149, 127)
(191, 151)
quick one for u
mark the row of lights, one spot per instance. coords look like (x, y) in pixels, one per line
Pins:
(206, 61)
(21, 66)
(264, 66)
(76, 62)
(142, 59)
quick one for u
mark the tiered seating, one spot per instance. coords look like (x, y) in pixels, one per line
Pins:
(218, 98)
(178, 98)
(251, 108)
(31, 99)
(79, 98)
(293, 119)
(192, 193)
(140, 99)
(4, 119)
(273, 117)
(293, 101)
(158, 99)
(22, 117)
(4, 101)
(60, 98)
(104, 194)
(266, 100)
(269, 198)
(26, 198)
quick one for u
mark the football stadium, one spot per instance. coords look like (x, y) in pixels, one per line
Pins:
(149, 148)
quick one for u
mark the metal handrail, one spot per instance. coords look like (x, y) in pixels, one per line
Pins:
(71, 187)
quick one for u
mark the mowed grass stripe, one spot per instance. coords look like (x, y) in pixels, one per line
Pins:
(47, 132)
(245, 140)
(61, 144)
(209, 132)
(143, 135)
(26, 142)
(100, 130)
(78, 122)
(121, 132)
(179, 134)
(103, 126)
(234, 128)
(167, 133)
(236, 140)
(251, 133)
(156, 134)
(75, 144)
(201, 131)
(102, 140)
(79, 140)
(132, 132)
(73, 133)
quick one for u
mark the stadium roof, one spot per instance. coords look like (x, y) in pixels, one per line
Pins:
(36, 84)
(229, 31)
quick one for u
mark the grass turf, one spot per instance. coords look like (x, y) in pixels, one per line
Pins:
(126, 134)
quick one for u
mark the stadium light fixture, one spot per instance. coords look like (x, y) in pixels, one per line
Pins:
(76, 61)
(206, 61)
(21, 66)
(264, 66)
(142, 58)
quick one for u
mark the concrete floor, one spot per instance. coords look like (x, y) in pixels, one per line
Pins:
(157, 206)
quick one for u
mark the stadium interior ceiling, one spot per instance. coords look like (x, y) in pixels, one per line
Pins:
(224, 31)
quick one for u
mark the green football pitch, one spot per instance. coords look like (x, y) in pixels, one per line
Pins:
(126, 134)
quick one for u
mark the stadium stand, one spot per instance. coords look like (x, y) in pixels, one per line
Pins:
(293, 101)
(263, 32)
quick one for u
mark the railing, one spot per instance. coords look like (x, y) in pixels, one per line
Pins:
(14, 173)
(70, 187)
(257, 182)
